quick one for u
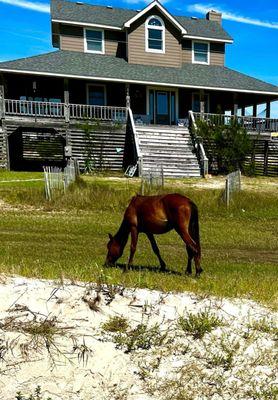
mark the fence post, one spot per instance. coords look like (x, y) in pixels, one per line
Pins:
(227, 192)
(2, 102)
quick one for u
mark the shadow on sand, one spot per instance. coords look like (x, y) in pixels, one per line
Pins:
(148, 268)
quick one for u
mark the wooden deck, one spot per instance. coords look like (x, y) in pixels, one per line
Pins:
(32, 120)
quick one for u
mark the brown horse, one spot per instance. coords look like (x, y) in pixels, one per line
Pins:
(156, 215)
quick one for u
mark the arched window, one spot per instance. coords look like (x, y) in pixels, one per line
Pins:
(155, 35)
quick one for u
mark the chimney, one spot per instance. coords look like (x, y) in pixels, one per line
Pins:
(214, 16)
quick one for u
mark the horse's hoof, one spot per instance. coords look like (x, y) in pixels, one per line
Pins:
(198, 273)
(188, 273)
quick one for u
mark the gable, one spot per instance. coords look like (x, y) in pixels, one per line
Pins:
(137, 53)
(156, 7)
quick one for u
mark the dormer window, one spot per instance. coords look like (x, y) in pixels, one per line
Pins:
(94, 41)
(200, 53)
(155, 35)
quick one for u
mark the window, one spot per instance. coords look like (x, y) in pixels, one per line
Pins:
(94, 41)
(155, 35)
(96, 95)
(200, 53)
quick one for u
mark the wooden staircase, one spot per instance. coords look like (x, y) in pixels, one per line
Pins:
(167, 146)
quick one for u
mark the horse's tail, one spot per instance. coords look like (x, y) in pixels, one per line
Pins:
(194, 226)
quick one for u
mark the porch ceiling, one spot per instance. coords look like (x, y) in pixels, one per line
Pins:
(109, 68)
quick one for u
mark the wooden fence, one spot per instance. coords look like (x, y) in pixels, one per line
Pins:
(152, 180)
(56, 181)
(262, 159)
(232, 184)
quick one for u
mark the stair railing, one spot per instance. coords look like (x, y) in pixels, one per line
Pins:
(138, 154)
(198, 144)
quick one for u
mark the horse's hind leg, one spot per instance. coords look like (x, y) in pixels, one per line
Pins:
(182, 229)
(156, 251)
(190, 255)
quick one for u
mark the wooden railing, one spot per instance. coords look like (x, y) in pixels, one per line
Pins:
(34, 108)
(136, 147)
(63, 110)
(198, 144)
(252, 124)
(104, 113)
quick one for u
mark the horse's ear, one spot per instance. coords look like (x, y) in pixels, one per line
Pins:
(110, 236)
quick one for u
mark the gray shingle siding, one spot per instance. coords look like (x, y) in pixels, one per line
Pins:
(85, 13)
(70, 63)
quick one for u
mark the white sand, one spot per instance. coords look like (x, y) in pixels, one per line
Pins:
(107, 372)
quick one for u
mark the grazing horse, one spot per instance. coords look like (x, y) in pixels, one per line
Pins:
(156, 215)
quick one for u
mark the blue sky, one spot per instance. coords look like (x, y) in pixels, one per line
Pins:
(25, 30)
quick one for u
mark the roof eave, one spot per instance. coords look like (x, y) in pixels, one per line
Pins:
(66, 22)
(208, 39)
(146, 82)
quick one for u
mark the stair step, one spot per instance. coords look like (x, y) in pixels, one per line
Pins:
(170, 147)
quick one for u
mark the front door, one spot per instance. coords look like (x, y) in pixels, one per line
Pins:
(162, 116)
(162, 107)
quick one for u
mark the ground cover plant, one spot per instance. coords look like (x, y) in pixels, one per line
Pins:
(66, 238)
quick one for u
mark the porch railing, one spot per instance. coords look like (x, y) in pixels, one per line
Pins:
(136, 147)
(252, 124)
(34, 108)
(63, 110)
(198, 144)
(105, 113)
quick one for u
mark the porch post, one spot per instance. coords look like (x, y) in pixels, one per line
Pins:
(66, 99)
(202, 102)
(2, 102)
(267, 113)
(243, 111)
(127, 97)
(235, 104)
(254, 110)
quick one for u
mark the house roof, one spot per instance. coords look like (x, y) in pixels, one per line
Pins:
(163, 10)
(109, 68)
(66, 11)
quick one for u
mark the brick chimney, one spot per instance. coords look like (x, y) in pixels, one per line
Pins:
(214, 16)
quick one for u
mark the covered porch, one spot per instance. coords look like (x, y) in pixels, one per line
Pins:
(65, 98)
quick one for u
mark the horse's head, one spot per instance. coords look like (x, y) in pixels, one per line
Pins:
(115, 251)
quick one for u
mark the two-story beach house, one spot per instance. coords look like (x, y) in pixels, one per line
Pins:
(145, 66)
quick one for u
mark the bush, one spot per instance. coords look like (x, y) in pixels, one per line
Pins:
(199, 324)
(231, 143)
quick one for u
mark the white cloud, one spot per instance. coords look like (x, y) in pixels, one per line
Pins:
(30, 5)
(229, 15)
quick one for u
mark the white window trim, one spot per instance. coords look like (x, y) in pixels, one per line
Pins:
(85, 41)
(100, 85)
(193, 54)
(159, 28)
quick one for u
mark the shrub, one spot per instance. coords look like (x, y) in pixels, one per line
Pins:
(199, 324)
(140, 337)
(231, 143)
(116, 324)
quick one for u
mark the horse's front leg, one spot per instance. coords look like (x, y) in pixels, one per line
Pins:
(133, 245)
(156, 251)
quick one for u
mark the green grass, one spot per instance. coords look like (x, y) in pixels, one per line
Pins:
(68, 236)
